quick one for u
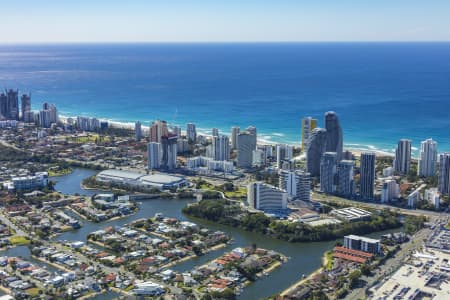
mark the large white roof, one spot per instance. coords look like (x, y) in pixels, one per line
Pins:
(121, 174)
(161, 178)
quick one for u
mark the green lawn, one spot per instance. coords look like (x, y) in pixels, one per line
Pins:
(19, 240)
(206, 186)
(88, 139)
(33, 292)
(240, 193)
(329, 261)
(52, 173)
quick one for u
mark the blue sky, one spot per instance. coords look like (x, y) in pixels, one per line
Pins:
(29, 21)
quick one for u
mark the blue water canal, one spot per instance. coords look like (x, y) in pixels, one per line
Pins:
(304, 257)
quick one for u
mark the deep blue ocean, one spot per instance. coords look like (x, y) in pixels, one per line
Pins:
(381, 91)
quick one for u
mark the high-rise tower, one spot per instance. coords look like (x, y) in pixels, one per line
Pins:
(334, 134)
(402, 161)
(316, 147)
(367, 179)
(427, 158)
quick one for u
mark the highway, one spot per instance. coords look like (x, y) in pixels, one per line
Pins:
(342, 201)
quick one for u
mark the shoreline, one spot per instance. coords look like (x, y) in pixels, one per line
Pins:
(307, 278)
(262, 139)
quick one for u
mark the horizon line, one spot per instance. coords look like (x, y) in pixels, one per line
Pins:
(11, 43)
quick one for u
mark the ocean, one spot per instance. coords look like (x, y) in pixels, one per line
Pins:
(381, 91)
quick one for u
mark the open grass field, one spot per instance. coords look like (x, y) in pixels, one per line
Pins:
(19, 240)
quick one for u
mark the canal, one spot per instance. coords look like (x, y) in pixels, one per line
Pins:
(304, 257)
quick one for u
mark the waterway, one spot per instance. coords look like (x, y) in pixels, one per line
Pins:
(304, 257)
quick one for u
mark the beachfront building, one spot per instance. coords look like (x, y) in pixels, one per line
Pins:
(296, 183)
(246, 143)
(389, 191)
(308, 125)
(284, 152)
(402, 161)
(87, 124)
(48, 115)
(427, 158)
(25, 102)
(328, 171)
(362, 243)
(345, 174)
(154, 155)
(444, 174)
(215, 132)
(262, 196)
(334, 134)
(138, 131)
(191, 133)
(315, 148)
(367, 175)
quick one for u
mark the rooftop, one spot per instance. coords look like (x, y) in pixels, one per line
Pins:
(121, 174)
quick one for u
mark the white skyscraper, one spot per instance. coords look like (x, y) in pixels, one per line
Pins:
(258, 158)
(154, 155)
(48, 115)
(284, 152)
(432, 196)
(308, 125)
(234, 136)
(427, 158)
(296, 183)
(402, 161)
(389, 191)
(220, 148)
(266, 197)
(215, 132)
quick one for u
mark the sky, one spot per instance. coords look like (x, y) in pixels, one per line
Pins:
(60, 21)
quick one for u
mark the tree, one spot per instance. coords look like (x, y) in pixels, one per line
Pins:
(366, 270)
(197, 250)
(353, 278)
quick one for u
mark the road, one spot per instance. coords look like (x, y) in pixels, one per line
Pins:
(5, 220)
(413, 212)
